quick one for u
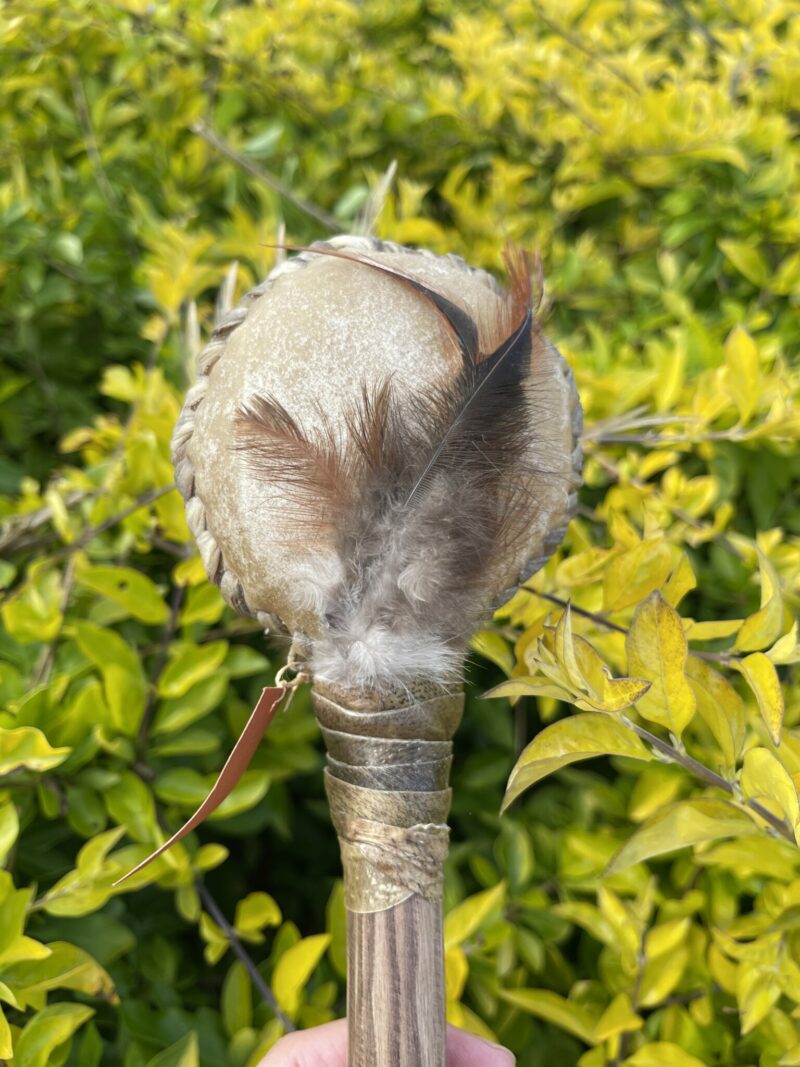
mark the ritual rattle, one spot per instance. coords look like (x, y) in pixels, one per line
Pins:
(380, 447)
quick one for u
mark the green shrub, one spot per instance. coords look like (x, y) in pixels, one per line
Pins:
(638, 909)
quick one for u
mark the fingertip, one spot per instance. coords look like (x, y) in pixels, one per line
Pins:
(469, 1050)
(322, 1046)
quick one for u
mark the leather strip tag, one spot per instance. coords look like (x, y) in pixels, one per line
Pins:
(235, 766)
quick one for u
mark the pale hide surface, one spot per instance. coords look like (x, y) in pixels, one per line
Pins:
(314, 337)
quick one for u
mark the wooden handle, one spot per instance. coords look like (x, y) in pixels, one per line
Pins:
(387, 777)
(395, 986)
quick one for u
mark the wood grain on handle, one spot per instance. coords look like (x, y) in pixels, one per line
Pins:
(389, 758)
(395, 986)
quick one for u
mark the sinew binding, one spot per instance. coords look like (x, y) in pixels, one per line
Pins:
(380, 446)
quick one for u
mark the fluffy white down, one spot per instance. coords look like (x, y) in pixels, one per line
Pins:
(377, 657)
(361, 651)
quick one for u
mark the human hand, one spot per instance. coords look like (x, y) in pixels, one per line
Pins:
(326, 1046)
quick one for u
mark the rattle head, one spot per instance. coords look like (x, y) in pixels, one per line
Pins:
(358, 471)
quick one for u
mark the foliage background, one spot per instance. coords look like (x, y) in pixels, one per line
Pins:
(649, 149)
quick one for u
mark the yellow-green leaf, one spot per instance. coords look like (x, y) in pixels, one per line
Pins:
(184, 1053)
(661, 975)
(747, 259)
(294, 968)
(662, 1054)
(47, 1031)
(6, 1047)
(9, 828)
(720, 707)
(568, 740)
(124, 683)
(764, 627)
(687, 822)
(618, 1018)
(253, 913)
(743, 371)
(465, 918)
(132, 590)
(757, 992)
(566, 1014)
(762, 678)
(190, 664)
(26, 746)
(657, 651)
(764, 778)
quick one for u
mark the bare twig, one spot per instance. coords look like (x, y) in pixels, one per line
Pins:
(212, 138)
(94, 531)
(710, 777)
(216, 914)
(15, 532)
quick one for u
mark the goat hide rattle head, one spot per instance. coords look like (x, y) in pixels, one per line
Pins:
(380, 447)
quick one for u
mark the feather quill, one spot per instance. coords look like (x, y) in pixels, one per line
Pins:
(401, 510)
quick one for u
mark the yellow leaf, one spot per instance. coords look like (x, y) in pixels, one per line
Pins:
(569, 1016)
(465, 918)
(567, 741)
(6, 1049)
(720, 707)
(657, 652)
(710, 631)
(743, 371)
(655, 787)
(495, 648)
(787, 648)
(688, 822)
(660, 976)
(461, 1016)
(456, 969)
(764, 778)
(633, 575)
(618, 1018)
(27, 747)
(294, 969)
(762, 678)
(666, 937)
(747, 259)
(757, 990)
(680, 582)
(764, 627)
(662, 1054)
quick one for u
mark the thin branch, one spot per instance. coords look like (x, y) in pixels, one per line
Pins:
(14, 533)
(216, 914)
(94, 531)
(710, 777)
(276, 184)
